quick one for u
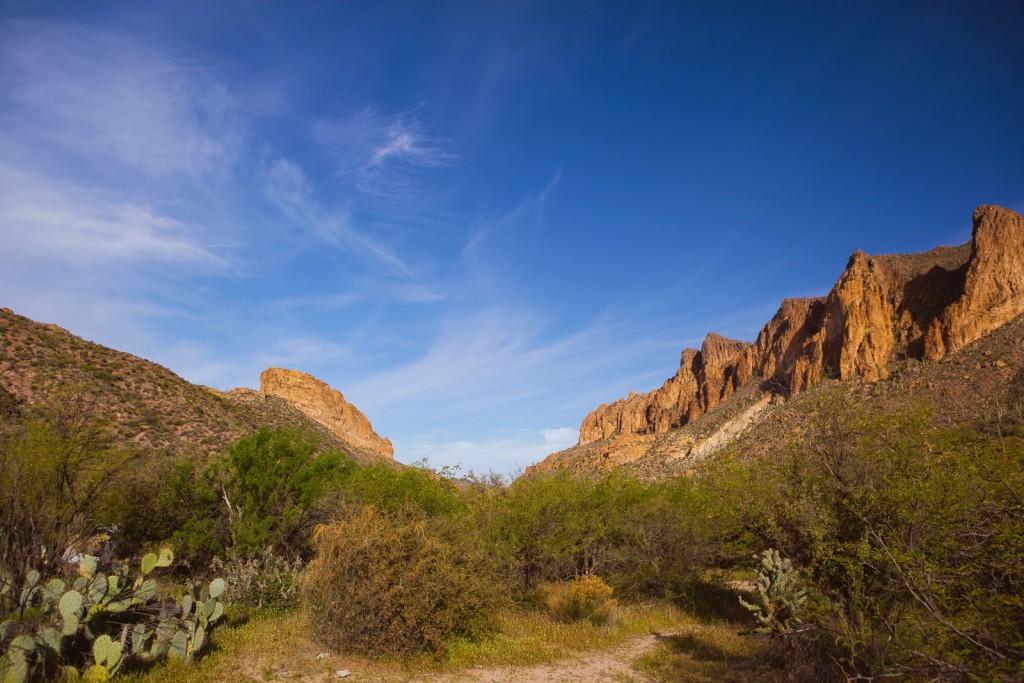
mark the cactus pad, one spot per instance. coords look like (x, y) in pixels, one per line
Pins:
(149, 562)
(53, 592)
(146, 592)
(71, 604)
(87, 566)
(218, 612)
(100, 648)
(23, 643)
(98, 588)
(166, 557)
(140, 634)
(179, 645)
(51, 638)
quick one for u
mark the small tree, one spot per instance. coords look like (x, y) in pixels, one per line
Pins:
(57, 466)
(267, 492)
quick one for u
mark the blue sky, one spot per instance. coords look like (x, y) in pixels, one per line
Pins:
(480, 220)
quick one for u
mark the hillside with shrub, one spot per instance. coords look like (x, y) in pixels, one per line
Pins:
(147, 405)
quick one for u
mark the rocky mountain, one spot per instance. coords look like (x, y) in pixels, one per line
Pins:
(150, 407)
(883, 312)
(325, 405)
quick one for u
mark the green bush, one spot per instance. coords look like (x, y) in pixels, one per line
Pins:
(399, 583)
(388, 488)
(269, 490)
(644, 539)
(58, 469)
(583, 598)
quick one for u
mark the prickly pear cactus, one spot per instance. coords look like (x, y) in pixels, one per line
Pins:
(112, 615)
(777, 596)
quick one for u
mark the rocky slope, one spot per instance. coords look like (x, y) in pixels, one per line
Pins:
(883, 310)
(327, 406)
(150, 407)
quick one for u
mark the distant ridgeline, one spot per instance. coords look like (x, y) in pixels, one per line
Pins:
(151, 407)
(884, 311)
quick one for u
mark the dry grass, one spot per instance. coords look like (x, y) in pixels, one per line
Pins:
(267, 648)
(709, 653)
(280, 648)
(525, 638)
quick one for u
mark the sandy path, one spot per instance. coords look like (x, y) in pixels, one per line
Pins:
(613, 664)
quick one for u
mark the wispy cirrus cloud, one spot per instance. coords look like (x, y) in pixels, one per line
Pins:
(316, 302)
(86, 117)
(111, 148)
(43, 220)
(211, 365)
(382, 155)
(108, 99)
(504, 355)
(287, 185)
(403, 141)
(510, 452)
(366, 292)
(532, 206)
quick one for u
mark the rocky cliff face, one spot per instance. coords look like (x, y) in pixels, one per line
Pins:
(993, 287)
(325, 405)
(703, 379)
(921, 306)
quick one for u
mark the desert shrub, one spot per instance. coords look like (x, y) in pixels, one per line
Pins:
(201, 525)
(646, 540)
(398, 583)
(271, 484)
(153, 500)
(552, 528)
(664, 537)
(8, 406)
(583, 598)
(910, 540)
(264, 582)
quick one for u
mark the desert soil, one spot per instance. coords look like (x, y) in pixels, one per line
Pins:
(613, 664)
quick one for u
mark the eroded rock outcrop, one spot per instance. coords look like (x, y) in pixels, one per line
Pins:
(921, 306)
(993, 289)
(325, 405)
(704, 378)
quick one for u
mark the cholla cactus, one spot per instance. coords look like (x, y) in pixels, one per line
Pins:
(777, 598)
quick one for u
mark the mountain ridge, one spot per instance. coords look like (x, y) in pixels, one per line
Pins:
(884, 308)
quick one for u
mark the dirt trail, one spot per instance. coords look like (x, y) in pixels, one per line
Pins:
(613, 664)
